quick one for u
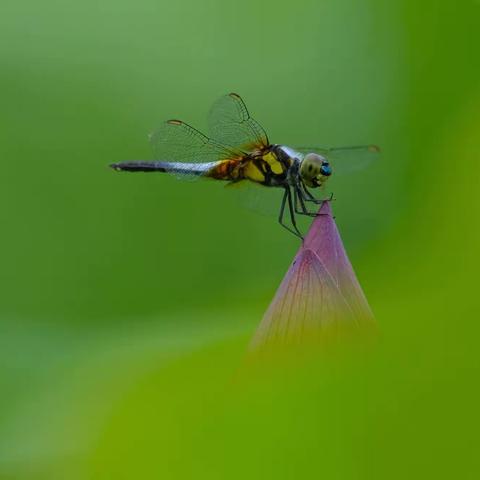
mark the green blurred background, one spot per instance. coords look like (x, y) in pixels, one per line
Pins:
(127, 301)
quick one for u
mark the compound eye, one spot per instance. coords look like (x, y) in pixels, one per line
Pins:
(326, 170)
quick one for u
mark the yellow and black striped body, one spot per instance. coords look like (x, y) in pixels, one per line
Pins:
(268, 167)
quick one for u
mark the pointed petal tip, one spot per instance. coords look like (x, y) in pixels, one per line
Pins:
(325, 208)
(322, 227)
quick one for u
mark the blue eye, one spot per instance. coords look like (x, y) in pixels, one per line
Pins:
(326, 170)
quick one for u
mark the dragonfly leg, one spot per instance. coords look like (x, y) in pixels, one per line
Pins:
(287, 196)
(308, 197)
(296, 199)
(299, 198)
(292, 213)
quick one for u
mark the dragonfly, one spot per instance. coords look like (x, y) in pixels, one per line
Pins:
(238, 151)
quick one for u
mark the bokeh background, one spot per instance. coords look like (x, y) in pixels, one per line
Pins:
(127, 301)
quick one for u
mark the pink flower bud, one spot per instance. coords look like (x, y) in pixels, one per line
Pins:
(319, 297)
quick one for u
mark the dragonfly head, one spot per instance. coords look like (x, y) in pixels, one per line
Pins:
(314, 170)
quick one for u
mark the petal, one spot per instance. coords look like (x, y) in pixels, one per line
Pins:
(323, 238)
(307, 304)
(320, 297)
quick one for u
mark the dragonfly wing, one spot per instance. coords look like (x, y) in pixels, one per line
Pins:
(257, 198)
(231, 124)
(267, 201)
(345, 159)
(187, 150)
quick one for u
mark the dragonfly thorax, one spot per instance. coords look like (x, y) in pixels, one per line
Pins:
(314, 170)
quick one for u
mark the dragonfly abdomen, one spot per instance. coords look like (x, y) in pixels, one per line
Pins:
(166, 167)
(229, 170)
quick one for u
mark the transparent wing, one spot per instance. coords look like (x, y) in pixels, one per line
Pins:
(267, 201)
(257, 198)
(176, 141)
(346, 159)
(231, 124)
(184, 148)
